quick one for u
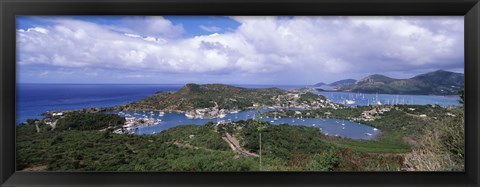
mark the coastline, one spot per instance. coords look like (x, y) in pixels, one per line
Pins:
(402, 94)
(192, 111)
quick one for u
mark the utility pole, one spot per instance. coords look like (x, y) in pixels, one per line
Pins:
(260, 126)
(260, 151)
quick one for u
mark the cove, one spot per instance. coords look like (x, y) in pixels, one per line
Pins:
(332, 127)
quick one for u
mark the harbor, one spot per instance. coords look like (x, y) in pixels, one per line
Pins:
(365, 99)
(331, 127)
(132, 123)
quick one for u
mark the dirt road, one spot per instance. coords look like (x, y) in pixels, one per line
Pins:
(235, 145)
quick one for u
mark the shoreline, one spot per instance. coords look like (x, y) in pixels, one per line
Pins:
(389, 93)
(157, 120)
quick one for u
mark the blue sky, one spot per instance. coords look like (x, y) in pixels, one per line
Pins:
(193, 25)
(233, 50)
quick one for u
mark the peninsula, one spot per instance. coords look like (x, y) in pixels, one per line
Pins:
(216, 100)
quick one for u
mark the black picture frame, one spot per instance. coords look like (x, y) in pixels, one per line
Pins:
(11, 8)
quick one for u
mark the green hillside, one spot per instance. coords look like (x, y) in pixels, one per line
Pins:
(194, 96)
(434, 83)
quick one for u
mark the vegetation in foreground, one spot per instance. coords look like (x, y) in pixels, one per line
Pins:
(436, 145)
(414, 138)
(285, 148)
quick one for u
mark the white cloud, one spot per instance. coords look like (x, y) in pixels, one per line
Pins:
(36, 29)
(132, 35)
(293, 47)
(155, 26)
(43, 74)
(210, 28)
(40, 30)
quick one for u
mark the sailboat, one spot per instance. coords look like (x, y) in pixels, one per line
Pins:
(349, 102)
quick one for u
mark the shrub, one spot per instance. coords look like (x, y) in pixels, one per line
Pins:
(442, 147)
(88, 121)
(325, 161)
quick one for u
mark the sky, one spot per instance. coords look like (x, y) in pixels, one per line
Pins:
(234, 50)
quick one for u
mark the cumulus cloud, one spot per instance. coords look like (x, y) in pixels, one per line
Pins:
(154, 26)
(295, 47)
(36, 29)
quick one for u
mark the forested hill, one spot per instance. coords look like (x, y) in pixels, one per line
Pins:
(433, 83)
(343, 82)
(194, 96)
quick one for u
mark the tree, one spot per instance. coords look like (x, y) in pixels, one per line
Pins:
(462, 95)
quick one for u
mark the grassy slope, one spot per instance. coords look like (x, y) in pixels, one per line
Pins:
(396, 125)
(387, 143)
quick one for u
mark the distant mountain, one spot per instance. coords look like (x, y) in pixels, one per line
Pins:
(343, 82)
(444, 78)
(324, 86)
(376, 78)
(320, 84)
(433, 83)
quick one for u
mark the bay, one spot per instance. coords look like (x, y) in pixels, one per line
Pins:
(34, 99)
(333, 127)
(363, 99)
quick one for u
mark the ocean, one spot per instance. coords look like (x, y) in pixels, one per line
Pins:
(35, 99)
